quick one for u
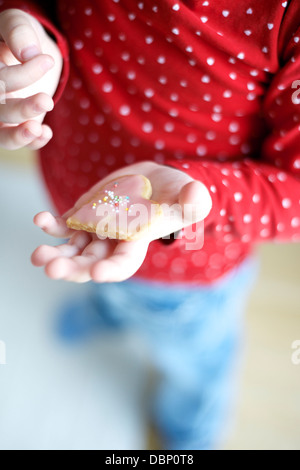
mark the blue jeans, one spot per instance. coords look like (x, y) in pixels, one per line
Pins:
(194, 335)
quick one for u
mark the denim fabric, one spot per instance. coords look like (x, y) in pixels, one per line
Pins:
(194, 335)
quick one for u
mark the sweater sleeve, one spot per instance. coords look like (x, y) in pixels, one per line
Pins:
(45, 13)
(258, 199)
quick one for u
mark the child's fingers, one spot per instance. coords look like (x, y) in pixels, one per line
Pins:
(17, 77)
(16, 111)
(18, 33)
(43, 140)
(54, 226)
(77, 268)
(195, 201)
(73, 270)
(16, 137)
(45, 254)
(6, 56)
(122, 264)
(99, 249)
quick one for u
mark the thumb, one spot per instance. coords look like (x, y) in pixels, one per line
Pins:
(18, 32)
(195, 201)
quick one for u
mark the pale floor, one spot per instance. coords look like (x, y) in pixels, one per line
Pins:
(90, 396)
(268, 414)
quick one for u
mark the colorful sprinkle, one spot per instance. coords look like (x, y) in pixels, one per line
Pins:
(116, 201)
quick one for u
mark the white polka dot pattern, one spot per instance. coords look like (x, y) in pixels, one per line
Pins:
(192, 84)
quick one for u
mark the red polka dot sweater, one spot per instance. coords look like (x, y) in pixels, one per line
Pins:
(210, 88)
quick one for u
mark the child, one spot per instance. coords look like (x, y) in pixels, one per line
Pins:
(200, 97)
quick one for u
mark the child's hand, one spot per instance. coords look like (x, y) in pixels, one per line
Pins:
(30, 69)
(86, 258)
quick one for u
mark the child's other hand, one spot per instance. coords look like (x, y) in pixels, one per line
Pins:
(30, 69)
(84, 257)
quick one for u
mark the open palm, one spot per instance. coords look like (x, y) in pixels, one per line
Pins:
(84, 257)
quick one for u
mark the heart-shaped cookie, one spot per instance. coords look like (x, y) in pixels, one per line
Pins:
(120, 209)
